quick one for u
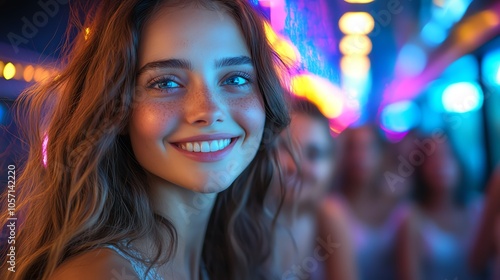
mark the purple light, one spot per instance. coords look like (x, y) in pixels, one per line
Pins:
(44, 149)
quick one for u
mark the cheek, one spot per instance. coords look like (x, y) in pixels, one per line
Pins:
(153, 121)
(249, 113)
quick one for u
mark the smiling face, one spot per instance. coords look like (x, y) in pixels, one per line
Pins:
(198, 117)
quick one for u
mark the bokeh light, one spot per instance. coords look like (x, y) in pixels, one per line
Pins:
(355, 65)
(29, 72)
(284, 48)
(462, 97)
(491, 68)
(355, 45)
(433, 34)
(360, 23)
(9, 71)
(411, 60)
(320, 91)
(400, 116)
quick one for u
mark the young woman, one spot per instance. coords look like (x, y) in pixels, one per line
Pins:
(155, 165)
(440, 230)
(373, 216)
(306, 222)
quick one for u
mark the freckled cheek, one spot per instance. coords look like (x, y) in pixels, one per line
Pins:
(249, 113)
(154, 120)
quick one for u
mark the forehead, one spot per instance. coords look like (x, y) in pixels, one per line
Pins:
(183, 31)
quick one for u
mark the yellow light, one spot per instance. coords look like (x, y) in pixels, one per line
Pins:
(355, 65)
(285, 49)
(9, 71)
(359, 1)
(360, 23)
(87, 32)
(321, 92)
(29, 72)
(355, 45)
(270, 34)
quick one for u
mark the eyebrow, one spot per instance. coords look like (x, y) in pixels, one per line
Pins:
(186, 64)
(233, 61)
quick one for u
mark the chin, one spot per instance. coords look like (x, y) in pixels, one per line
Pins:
(209, 185)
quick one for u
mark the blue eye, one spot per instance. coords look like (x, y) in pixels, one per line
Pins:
(163, 83)
(236, 80)
(166, 84)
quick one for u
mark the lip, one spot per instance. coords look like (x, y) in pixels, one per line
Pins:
(209, 156)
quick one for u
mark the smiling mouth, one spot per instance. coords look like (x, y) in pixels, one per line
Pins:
(205, 146)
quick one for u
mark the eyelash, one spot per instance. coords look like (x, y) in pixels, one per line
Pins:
(164, 79)
(244, 75)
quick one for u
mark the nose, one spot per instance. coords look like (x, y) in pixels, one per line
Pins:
(204, 107)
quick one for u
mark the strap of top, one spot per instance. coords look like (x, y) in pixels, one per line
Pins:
(139, 267)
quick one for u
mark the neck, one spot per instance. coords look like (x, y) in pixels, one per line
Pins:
(189, 212)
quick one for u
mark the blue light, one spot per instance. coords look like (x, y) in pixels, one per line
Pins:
(491, 68)
(465, 68)
(450, 13)
(433, 34)
(3, 112)
(400, 116)
(411, 60)
(462, 97)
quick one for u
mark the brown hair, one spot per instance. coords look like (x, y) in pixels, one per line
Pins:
(93, 191)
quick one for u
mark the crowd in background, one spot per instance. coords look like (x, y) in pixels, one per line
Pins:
(360, 207)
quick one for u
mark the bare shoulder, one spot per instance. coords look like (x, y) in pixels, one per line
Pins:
(96, 264)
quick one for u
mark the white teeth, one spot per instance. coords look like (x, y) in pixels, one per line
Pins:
(214, 146)
(205, 146)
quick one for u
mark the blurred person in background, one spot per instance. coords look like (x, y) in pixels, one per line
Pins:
(372, 215)
(305, 152)
(439, 231)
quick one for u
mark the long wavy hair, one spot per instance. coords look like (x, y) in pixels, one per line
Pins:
(89, 190)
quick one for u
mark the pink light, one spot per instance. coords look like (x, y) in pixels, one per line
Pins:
(44, 149)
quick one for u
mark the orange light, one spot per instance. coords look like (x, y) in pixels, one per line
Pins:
(476, 25)
(39, 74)
(1, 68)
(360, 23)
(355, 45)
(29, 72)
(355, 65)
(9, 71)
